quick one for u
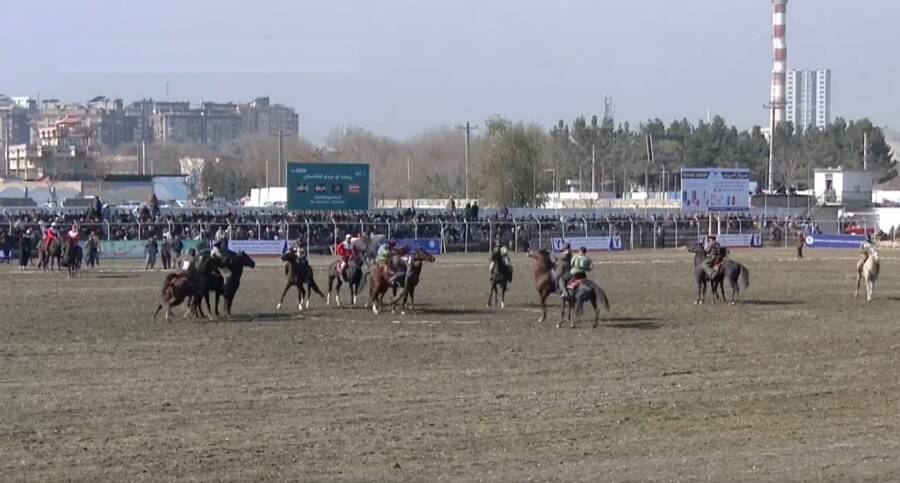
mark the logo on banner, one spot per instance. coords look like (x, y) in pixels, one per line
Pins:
(615, 243)
(810, 240)
(756, 241)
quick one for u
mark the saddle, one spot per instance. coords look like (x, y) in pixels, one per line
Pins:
(575, 283)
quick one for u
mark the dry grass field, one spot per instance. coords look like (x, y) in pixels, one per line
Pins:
(799, 382)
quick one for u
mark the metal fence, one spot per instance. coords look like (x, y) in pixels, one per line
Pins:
(468, 236)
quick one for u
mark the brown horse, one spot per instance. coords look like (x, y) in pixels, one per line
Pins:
(176, 289)
(543, 278)
(379, 281)
(413, 273)
(299, 274)
(48, 253)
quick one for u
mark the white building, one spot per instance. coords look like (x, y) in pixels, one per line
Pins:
(808, 98)
(836, 186)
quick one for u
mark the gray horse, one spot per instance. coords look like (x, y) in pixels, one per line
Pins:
(737, 275)
(587, 291)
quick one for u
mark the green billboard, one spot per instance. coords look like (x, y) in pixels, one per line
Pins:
(327, 186)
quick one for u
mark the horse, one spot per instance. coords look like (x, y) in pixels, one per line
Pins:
(543, 278)
(738, 277)
(71, 258)
(501, 276)
(868, 271)
(379, 282)
(413, 273)
(177, 288)
(587, 291)
(47, 254)
(235, 266)
(352, 276)
(299, 274)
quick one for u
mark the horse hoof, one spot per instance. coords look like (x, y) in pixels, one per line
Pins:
(540, 319)
(300, 307)
(502, 305)
(402, 312)
(278, 307)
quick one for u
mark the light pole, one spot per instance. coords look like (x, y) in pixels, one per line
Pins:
(468, 129)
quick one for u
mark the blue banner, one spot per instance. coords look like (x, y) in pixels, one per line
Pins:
(429, 245)
(834, 241)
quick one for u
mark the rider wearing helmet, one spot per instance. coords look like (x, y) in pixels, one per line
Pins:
(581, 265)
(864, 249)
(345, 250)
(713, 256)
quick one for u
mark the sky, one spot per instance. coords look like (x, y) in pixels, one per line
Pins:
(400, 67)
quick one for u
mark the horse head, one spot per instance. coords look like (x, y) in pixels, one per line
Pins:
(423, 256)
(245, 260)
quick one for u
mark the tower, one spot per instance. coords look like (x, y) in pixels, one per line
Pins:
(779, 59)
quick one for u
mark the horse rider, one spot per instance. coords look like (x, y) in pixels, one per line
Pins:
(581, 265)
(502, 253)
(345, 250)
(864, 249)
(187, 264)
(74, 236)
(384, 258)
(563, 278)
(50, 234)
(713, 253)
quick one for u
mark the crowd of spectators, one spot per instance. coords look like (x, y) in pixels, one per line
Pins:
(469, 225)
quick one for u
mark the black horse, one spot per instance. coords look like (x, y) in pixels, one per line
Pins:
(737, 275)
(352, 276)
(299, 274)
(501, 277)
(71, 258)
(234, 266)
(587, 291)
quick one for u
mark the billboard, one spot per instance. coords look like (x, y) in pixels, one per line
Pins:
(710, 190)
(327, 186)
(823, 240)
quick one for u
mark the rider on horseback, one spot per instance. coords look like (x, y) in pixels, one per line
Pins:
(50, 235)
(502, 253)
(563, 278)
(581, 265)
(865, 248)
(345, 250)
(713, 252)
(384, 258)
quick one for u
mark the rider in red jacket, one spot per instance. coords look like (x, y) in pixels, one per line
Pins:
(345, 250)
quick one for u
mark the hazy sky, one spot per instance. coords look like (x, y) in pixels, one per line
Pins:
(399, 67)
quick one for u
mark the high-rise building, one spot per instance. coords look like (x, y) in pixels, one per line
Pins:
(808, 98)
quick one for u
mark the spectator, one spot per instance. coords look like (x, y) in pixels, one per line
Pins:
(151, 249)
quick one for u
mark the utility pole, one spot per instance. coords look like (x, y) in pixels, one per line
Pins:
(282, 168)
(593, 161)
(468, 128)
(865, 151)
(408, 177)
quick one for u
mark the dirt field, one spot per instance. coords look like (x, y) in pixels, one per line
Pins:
(798, 383)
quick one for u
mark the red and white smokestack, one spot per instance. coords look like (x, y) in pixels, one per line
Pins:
(779, 58)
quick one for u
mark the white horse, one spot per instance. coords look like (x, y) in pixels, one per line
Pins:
(868, 270)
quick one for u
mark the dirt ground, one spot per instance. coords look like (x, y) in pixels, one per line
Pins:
(797, 383)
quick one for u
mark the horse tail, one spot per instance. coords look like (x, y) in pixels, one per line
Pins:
(744, 281)
(601, 297)
(365, 278)
(313, 286)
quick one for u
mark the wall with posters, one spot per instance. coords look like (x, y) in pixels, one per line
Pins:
(711, 190)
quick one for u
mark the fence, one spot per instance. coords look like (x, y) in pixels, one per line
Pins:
(469, 236)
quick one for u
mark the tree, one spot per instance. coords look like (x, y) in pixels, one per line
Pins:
(509, 164)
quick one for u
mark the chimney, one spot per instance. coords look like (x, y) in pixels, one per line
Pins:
(779, 59)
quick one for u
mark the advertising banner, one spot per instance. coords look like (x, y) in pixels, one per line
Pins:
(591, 243)
(834, 241)
(259, 247)
(327, 186)
(135, 248)
(711, 190)
(745, 240)
(429, 245)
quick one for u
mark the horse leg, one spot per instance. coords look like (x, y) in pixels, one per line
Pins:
(337, 293)
(870, 289)
(286, 288)
(502, 295)
(330, 286)
(158, 308)
(858, 279)
(301, 294)
(354, 289)
(596, 311)
(543, 297)
(491, 295)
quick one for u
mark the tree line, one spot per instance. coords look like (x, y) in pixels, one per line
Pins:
(517, 164)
